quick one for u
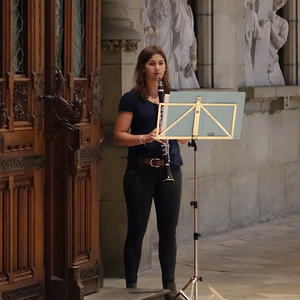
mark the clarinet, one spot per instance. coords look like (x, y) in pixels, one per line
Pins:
(165, 146)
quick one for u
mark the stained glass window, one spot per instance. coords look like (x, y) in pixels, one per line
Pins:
(79, 37)
(59, 33)
(19, 36)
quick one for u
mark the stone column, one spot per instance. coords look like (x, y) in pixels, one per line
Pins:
(228, 43)
(204, 31)
(117, 29)
(120, 45)
(220, 43)
(291, 53)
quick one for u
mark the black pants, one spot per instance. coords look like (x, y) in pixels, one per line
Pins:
(142, 184)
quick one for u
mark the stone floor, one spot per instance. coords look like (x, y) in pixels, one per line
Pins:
(259, 262)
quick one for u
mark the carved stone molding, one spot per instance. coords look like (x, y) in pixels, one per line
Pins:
(21, 163)
(24, 292)
(119, 45)
(117, 31)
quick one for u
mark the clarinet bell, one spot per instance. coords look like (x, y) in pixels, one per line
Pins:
(169, 177)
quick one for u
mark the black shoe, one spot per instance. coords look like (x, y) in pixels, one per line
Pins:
(171, 286)
(131, 285)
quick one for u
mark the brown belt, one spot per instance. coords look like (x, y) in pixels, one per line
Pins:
(153, 162)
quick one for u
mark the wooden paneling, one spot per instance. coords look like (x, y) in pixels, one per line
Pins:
(73, 137)
(49, 156)
(22, 156)
(23, 228)
(4, 221)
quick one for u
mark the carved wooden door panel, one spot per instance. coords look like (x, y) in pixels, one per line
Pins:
(49, 148)
(73, 137)
(22, 149)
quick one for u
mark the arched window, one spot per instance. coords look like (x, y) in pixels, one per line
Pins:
(19, 37)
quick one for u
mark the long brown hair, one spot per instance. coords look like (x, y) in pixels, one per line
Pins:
(140, 79)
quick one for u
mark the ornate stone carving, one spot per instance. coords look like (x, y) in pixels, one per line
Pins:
(24, 292)
(20, 101)
(266, 33)
(117, 33)
(21, 163)
(119, 45)
(170, 25)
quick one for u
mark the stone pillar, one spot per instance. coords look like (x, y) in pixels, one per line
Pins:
(204, 31)
(117, 29)
(290, 52)
(228, 44)
(220, 35)
(120, 45)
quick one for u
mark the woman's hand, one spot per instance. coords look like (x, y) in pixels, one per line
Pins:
(150, 137)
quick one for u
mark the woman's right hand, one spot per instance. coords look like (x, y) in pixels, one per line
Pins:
(150, 137)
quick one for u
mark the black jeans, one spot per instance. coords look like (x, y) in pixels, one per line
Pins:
(142, 184)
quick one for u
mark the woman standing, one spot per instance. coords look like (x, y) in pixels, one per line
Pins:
(143, 181)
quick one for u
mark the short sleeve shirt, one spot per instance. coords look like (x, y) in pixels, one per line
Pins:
(144, 121)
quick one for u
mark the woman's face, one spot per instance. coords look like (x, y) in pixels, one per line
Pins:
(155, 67)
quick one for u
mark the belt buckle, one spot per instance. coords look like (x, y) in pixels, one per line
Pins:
(151, 162)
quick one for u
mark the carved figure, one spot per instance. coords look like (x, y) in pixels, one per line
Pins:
(158, 30)
(278, 37)
(185, 45)
(252, 33)
(170, 25)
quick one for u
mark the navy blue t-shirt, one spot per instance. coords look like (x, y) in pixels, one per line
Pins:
(144, 121)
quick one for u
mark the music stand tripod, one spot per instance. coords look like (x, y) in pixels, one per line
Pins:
(193, 282)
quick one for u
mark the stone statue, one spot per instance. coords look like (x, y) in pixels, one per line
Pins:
(158, 30)
(252, 31)
(266, 33)
(185, 45)
(170, 25)
(278, 37)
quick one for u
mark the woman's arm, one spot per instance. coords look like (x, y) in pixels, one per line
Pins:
(122, 137)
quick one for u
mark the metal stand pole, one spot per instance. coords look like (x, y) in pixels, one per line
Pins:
(196, 278)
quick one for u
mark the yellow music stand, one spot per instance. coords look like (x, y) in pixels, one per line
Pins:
(195, 115)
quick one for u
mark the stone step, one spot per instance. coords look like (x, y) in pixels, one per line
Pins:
(127, 294)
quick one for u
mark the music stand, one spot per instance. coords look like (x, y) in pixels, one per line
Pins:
(200, 115)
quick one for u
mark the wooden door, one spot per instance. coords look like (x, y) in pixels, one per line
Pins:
(73, 137)
(22, 149)
(50, 136)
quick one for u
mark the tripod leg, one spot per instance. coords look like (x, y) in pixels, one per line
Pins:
(181, 294)
(215, 293)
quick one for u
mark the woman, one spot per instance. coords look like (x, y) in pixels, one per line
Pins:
(136, 128)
